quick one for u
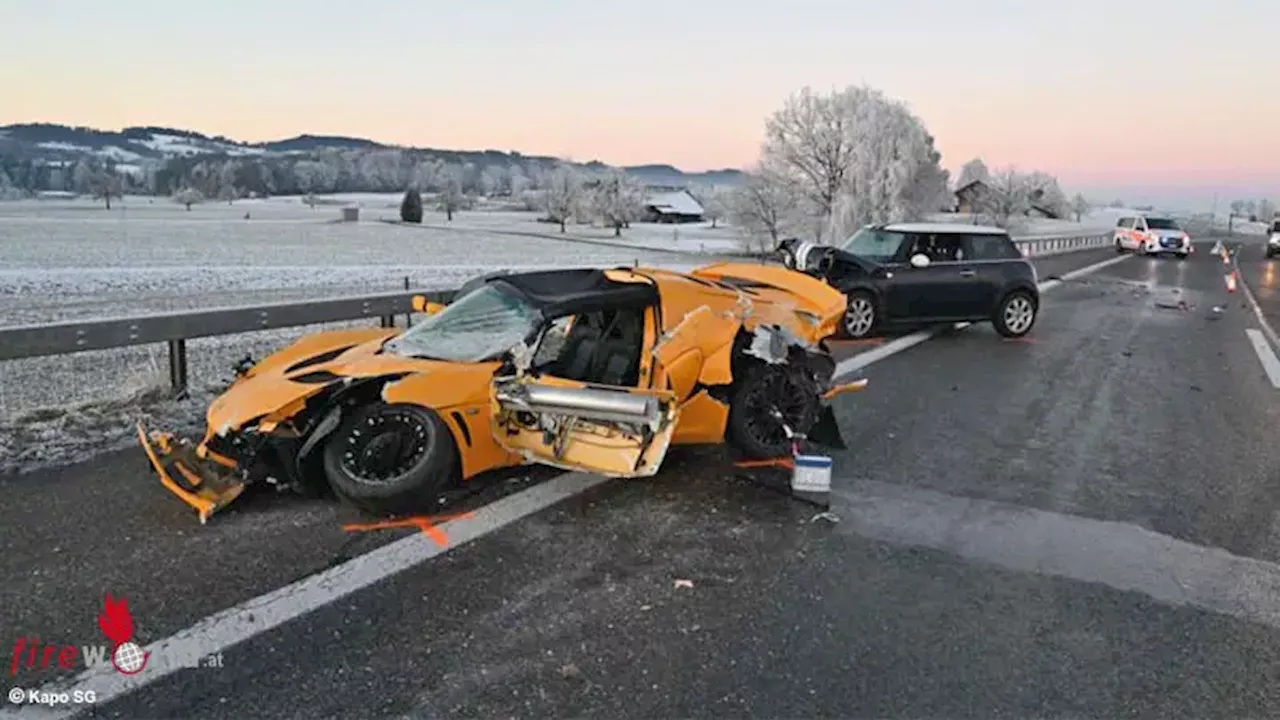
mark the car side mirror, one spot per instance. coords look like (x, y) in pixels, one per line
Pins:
(422, 305)
(919, 260)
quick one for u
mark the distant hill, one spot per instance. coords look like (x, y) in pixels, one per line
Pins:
(135, 146)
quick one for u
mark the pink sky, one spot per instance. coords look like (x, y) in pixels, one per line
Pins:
(1192, 104)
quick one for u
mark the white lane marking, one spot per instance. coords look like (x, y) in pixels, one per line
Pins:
(906, 342)
(1253, 303)
(237, 624)
(242, 622)
(1267, 356)
(1051, 284)
(1120, 555)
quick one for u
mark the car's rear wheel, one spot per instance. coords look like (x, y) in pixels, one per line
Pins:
(1016, 315)
(790, 390)
(860, 316)
(390, 458)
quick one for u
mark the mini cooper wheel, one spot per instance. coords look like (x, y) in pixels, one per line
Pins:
(1016, 314)
(859, 315)
(390, 458)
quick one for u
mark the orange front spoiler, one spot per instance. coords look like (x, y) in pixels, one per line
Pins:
(208, 485)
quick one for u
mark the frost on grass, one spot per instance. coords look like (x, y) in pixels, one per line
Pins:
(55, 436)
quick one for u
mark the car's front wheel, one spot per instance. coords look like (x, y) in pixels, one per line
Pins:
(1119, 247)
(860, 315)
(764, 389)
(390, 458)
(1016, 314)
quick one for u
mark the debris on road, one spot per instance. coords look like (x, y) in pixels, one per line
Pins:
(570, 672)
(1182, 305)
(828, 516)
(684, 583)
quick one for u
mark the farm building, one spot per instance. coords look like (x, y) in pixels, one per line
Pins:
(969, 197)
(671, 205)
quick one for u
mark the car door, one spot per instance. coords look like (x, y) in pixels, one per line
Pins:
(907, 292)
(943, 289)
(612, 430)
(958, 288)
(988, 255)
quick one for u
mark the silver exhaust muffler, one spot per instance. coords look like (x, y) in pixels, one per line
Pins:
(582, 403)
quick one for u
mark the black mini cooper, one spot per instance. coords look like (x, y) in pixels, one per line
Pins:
(919, 273)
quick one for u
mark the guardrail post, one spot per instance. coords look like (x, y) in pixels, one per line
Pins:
(387, 321)
(178, 366)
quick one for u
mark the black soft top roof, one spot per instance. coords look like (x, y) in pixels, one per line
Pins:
(562, 292)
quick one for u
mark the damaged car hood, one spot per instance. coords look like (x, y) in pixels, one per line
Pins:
(279, 386)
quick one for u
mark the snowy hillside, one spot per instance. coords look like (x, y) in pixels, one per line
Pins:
(134, 145)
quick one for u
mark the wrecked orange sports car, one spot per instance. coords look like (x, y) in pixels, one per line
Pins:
(585, 369)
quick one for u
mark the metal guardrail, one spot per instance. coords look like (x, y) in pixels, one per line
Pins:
(27, 341)
(1041, 245)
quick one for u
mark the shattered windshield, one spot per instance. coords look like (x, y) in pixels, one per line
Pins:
(479, 326)
(876, 245)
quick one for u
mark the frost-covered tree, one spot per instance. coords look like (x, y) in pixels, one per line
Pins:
(1044, 192)
(82, 176)
(495, 180)
(617, 199)
(1008, 198)
(759, 207)
(562, 194)
(451, 180)
(1266, 210)
(927, 188)
(227, 188)
(714, 200)
(1079, 206)
(188, 196)
(973, 171)
(106, 184)
(854, 156)
(518, 181)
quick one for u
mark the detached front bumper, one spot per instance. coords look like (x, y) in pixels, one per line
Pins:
(200, 479)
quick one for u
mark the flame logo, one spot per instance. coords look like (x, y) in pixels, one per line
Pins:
(117, 625)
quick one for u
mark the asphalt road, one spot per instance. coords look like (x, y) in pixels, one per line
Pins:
(1074, 525)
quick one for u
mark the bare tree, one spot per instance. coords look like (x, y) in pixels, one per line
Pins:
(854, 156)
(759, 207)
(617, 199)
(451, 180)
(1079, 206)
(188, 196)
(495, 180)
(1266, 210)
(227, 189)
(1007, 198)
(106, 184)
(562, 194)
(714, 200)
(809, 141)
(973, 171)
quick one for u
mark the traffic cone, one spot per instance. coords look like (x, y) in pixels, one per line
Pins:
(1231, 282)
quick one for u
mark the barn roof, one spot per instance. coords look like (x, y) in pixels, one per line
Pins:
(674, 202)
